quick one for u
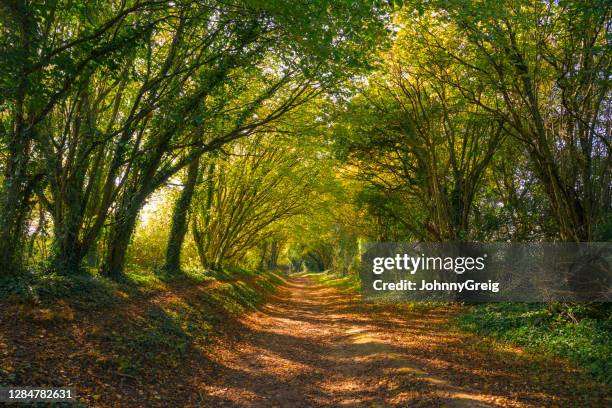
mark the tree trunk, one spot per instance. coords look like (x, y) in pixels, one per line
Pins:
(264, 254)
(199, 242)
(119, 239)
(199, 235)
(15, 205)
(68, 251)
(179, 220)
(273, 255)
(68, 254)
(12, 228)
(17, 184)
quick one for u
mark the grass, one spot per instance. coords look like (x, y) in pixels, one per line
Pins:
(41, 286)
(349, 283)
(585, 339)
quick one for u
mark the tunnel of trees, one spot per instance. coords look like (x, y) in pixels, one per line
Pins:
(256, 133)
(224, 141)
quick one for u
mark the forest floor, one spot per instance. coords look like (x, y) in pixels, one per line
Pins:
(309, 345)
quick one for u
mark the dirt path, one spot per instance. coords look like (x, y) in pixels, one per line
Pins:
(316, 346)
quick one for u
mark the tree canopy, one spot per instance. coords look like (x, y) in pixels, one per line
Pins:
(290, 133)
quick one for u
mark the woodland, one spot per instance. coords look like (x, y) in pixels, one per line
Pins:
(155, 150)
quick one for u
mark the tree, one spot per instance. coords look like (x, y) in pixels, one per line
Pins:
(257, 185)
(415, 139)
(547, 64)
(111, 101)
(47, 51)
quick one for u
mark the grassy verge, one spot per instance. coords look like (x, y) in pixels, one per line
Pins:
(42, 288)
(129, 335)
(349, 283)
(586, 340)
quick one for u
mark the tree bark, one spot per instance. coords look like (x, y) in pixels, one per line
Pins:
(273, 255)
(179, 220)
(119, 238)
(199, 235)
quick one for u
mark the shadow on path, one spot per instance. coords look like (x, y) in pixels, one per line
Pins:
(317, 346)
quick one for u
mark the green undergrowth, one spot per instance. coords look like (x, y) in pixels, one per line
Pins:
(41, 287)
(585, 339)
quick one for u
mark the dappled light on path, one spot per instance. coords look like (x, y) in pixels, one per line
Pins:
(317, 346)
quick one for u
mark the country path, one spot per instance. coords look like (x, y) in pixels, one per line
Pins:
(317, 346)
